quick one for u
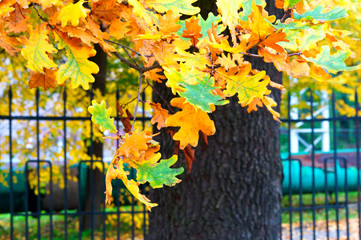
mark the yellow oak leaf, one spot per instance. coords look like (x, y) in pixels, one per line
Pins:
(6, 7)
(45, 80)
(160, 115)
(191, 120)
(77, 67)
(177, 6)
(72, 13)
(131, 185)
(259, 24)
(270, 103)
(230, 16)
(48, 3)
(37, 48)
(240, 80)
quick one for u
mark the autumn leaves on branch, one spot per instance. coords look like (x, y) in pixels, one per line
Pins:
(193, 57)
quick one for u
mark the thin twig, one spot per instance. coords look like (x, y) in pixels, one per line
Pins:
(124, 60)
(138, 99)
(169, 107)
(126, 104)
(287, 13)
(250, 54)
(295, 54)
(146, 69)
(37, 12)
(123, 46)
(126, 51)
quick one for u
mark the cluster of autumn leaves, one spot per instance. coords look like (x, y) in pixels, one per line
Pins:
(201, 64)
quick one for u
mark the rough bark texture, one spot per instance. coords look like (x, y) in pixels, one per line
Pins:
(234, 190)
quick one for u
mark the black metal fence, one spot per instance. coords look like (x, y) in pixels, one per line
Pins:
(321, 195)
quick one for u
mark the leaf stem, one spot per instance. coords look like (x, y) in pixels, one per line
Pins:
(138, 99)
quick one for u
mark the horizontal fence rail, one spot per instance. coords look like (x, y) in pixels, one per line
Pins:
(315, 183)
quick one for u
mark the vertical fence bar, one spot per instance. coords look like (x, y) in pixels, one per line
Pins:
(51, 200)
(326, 199)
(65, 168)
(301, 203)
(91, 172)
(358, 162)
(80, 210)
(143, 186)
(313, 166)
(289, 163)
(11, 183)
(38, 211)
(346, 200)
(335, 161)
(117, 96)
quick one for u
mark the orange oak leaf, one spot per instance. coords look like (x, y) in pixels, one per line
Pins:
(16, 22)
(271, 41)
(191, 120)
(118, 28)
(155, 75)
(160, 115)
(168, 23)
(106, 10)
(134, 143)
(193, 30)
(319, 73)
(10, 44)
(80, 32)
(45, 81)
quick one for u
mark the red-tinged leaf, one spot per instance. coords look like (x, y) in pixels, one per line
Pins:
(45, 81)
(160, 115)
(193, 30)
(205, 141)
(272, 40)
(189, 156)
(125, 120)
(17, 21)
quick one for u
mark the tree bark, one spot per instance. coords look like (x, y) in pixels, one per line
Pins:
(235, 188)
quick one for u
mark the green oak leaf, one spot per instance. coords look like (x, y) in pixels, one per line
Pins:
(207, 24)
(101, 116)
(247, 8)
(200, 95)
(291, 25)
(291, 3)
(177, 6)
(332, 63)
(160, 173)
(317, 14)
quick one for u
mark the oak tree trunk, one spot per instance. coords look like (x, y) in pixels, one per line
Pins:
(235, 188)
